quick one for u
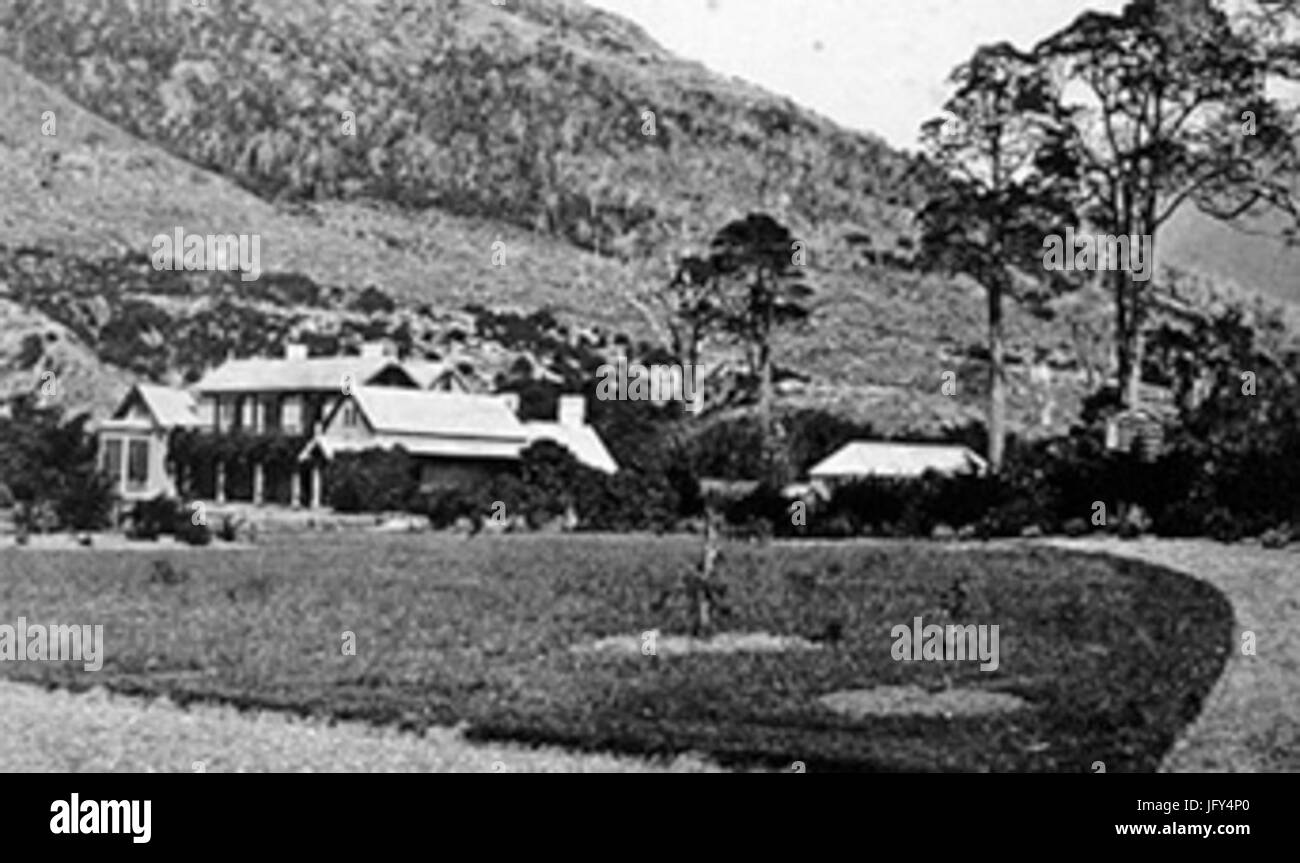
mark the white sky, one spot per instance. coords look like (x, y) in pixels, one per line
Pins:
(873, 65)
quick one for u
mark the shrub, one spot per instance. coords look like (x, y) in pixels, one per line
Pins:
(162, 515)
(229, 528)
(445, 507)
(1010, 519)
(764, 505)
(1276, 537)
(52, 464)
(85, 502)
(38, 517)
(1223, 525)
(193, 534)
(373, 481)
(867, 504)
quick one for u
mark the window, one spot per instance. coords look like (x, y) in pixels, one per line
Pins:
(112, 459)
(271, 414)
(137, 464)
(291, 414)
(349, 415)
(227, 414)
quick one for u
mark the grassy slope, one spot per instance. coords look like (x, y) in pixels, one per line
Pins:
(1115, 657)
(881, 337)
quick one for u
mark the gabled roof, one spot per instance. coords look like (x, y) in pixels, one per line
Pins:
(582, 441)
(170, 408)
(283, 375)
(426, 373)
(391, 410)
(453, 425)
(903, 460)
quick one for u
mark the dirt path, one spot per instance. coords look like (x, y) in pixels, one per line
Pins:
(57, 731)
(1251, 720)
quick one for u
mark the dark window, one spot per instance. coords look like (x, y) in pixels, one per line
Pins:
(271, 415)
(112, 463)
(137, 464)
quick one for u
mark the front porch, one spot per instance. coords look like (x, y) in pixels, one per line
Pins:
(296, 486)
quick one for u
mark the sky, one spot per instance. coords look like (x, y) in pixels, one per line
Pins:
(873, 65)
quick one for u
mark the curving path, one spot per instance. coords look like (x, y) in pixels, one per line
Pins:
(1250, 721)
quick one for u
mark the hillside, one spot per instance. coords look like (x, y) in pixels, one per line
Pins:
(475, 124)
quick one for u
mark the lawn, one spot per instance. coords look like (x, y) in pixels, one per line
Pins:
(1114, 656)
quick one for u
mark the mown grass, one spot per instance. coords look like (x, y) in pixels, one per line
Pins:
(1115, 656)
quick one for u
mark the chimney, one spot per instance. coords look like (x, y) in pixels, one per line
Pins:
(510, 400)
(295, 351)
(572, 411)
(375, 350)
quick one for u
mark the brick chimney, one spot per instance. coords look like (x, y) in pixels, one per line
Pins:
(572, 411)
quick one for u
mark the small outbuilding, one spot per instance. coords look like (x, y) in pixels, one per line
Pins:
(859, 460)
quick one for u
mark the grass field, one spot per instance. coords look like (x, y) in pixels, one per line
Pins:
(1115, 657)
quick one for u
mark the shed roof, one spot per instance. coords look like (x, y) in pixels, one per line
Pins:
(891, 459)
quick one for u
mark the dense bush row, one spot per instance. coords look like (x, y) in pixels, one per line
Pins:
(1069, 485)
(548, 487)
(50, 468)
(1198, 487)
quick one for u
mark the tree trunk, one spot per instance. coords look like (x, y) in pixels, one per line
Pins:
(763, 371)
(1133, 384)
(701, 603)
(1122, 286)
(997, 425)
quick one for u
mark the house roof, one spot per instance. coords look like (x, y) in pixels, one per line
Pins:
(284, 375)
(715, 488)
(392, 410)
(431, 445)
(581, 440)
(426, 372)
(170, 408)
(889, 459)
(455, 425)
